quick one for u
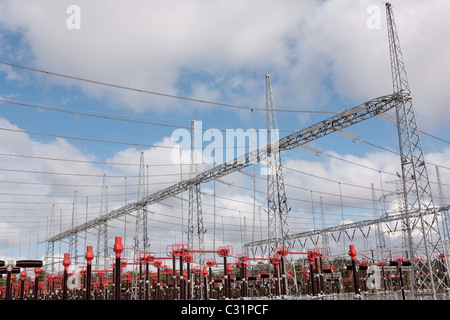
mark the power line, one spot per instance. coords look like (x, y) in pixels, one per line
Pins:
(73, 185)
(108, 141)
(23, 104)
(422, 22)
(87, 161)
(156, 123)
(437, 138)
(84, 174)
(154, 92)
(86, 139)
(55, 109)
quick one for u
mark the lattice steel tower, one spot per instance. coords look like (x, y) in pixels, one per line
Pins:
(278, 211)
(277, 208)
(73, 244)
(379, 235)
(424, 238)
(141, 235)
(102, 238)
(50, 256)
(195, 230)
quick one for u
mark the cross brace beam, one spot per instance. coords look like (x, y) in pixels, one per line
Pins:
(343, 227)
(337, 122)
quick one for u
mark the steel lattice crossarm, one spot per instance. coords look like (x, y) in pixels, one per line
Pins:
(347, 226)
(343, 120)
(337, 122)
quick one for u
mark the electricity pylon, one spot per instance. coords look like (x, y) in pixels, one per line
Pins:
(141, 235)
(50, 256)
(73, 244)
(277, 208)
(422, 226)
(102, 239)
(195, 219)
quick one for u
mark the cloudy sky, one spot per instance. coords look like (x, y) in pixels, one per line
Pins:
(106, 80)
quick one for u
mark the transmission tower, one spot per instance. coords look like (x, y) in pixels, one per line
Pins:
(141, 236)
(445, 222)
(325, 237)
(277, 208)
(50, 257)
(73, 244)
(102, 239)
(342, 120)
(422, 224)
(195, 219)
(379, 236)
(402, 209)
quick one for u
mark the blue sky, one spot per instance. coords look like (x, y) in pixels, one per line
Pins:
(321, 56)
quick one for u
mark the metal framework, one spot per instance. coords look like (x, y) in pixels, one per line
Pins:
(325, 237)
(339, 121)
(140, 237)
(73, 244)
(380, 239)
(445, 224)
(424, 237)
(418, 212)
(277, 207)
(420, 218)
(50, 257)
(102, 224)
(195, 219)
(342, 227)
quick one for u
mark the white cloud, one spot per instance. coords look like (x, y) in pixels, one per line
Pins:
(32, 180)
(329, 177)
(311, 46)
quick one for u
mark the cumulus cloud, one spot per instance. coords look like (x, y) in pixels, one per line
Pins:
(33, 181)
(337, 189)
(320, 50)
